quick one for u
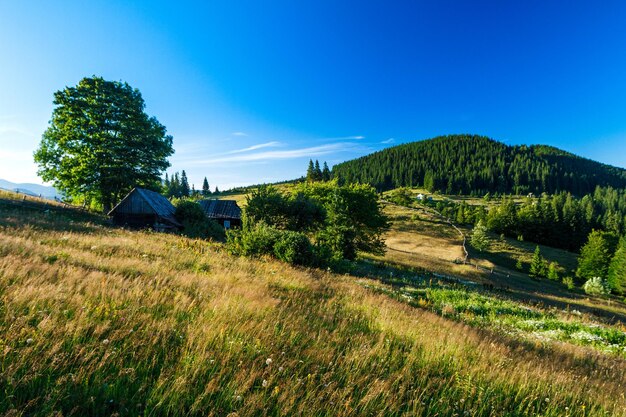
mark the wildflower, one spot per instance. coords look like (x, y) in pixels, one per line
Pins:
(105, 341)
(280, 369)
(268, 361)
(265, 383)
(238, 398)
(547, 400)
(29, 341)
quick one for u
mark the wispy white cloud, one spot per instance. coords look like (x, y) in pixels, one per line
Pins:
(239, 134)
(387, 141)
(272, 144)
(280, 155)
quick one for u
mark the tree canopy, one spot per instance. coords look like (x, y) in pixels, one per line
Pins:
(101, 143)
(470, 164)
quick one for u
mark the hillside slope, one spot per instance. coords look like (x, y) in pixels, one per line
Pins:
(471, 164)
(100, 321)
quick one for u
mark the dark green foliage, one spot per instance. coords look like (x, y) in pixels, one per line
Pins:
(206, 191)
(326, 176)
(474, 164)
(100, 143)
(617, 269)
(184, 185)
(294, 248)
(341, 220)
(595, 256)
(195, 223)
(315, 173)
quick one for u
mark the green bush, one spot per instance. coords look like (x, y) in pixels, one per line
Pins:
(596, 286)
(294, 248)
(195, 223)
(258, 240)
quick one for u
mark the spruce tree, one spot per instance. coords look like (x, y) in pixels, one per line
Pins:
(617, 269)
(595, 256)
(318, 171)
(480, 240)
(206, 191)
(310, 172)
(326, 172)
(537, 265)
(553, 274)
(184, 184)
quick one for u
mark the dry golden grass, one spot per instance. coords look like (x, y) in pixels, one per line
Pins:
(101, 321)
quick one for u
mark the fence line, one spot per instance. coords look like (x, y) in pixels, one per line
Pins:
(465, 260)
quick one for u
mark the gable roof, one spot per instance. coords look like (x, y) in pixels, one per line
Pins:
(154, 203)
(221, 209)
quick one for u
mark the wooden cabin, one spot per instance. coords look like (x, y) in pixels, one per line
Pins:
(225, 212)
(142, 209)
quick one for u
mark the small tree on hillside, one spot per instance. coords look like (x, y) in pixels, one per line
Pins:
(553, 273)
(617, 269)
(596, 286)
(595, 256)
(480, 240)
(537, 265)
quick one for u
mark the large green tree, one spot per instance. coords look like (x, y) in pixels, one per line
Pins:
(595, 256)
(101, 143)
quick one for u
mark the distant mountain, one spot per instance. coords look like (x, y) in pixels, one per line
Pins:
(470, 164)
(31, 189)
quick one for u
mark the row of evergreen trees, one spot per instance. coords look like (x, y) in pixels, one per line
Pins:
(475, 165)
(560, 220)
(315, 173)
(178, 186)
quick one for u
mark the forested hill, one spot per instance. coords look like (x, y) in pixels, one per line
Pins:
(471, 164)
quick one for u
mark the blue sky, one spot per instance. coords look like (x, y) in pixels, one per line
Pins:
(251, 90)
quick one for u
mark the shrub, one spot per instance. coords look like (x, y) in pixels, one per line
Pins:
(596, 286)
(294, 248)
(569, 283)
(195, 223)
(259, 240)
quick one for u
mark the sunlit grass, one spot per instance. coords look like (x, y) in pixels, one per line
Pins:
(100, 321)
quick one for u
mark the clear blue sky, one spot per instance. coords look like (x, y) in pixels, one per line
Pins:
(251, 90)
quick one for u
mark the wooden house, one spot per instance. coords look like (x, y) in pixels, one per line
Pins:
(142, 209)
(225, 212)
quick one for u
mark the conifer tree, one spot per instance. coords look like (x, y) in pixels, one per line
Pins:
(617, 269)
(553, 274)
(479, 240)
(310, 172)
(537, 265)
(206, 191)
(318, 171)
(326, 172)
(184, 184)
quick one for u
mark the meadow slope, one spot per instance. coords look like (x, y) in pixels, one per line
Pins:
(101, 321)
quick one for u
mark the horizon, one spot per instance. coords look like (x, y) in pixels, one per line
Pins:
(251, 93)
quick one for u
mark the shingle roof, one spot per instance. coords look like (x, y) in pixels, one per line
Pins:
(158, 204)
(221, 209)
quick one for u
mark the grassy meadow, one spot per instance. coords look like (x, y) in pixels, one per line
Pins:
(102, 321)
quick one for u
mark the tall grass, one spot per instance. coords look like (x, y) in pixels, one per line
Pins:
(97, 321)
